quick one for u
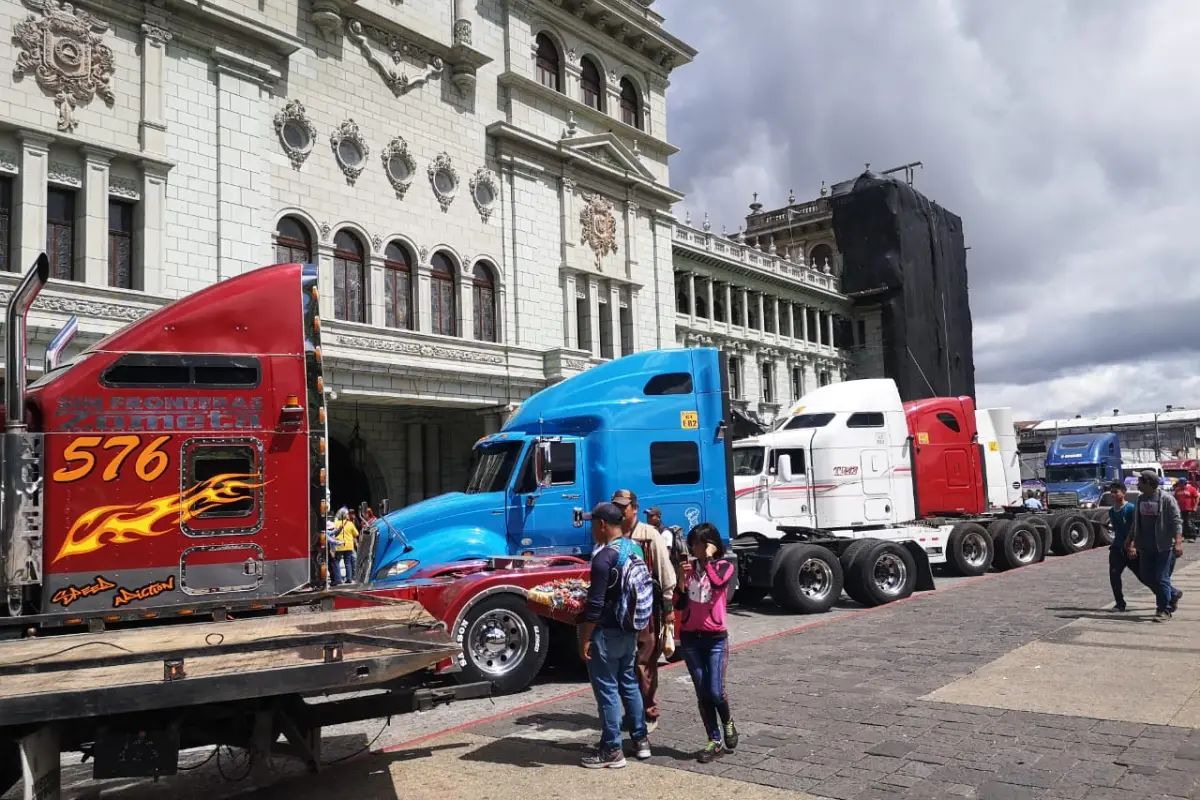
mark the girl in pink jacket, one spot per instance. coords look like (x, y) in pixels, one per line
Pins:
(704, 638)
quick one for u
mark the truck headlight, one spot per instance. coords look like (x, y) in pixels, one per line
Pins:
(398, 568)
(1089, 505)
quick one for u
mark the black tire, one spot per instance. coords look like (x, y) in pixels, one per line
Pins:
(808, 579)
(1018, 544)
(969, 549)
(1072, 533)
(510, 665)
(1104, 534)
(847, 558)
(750, 595)
(882, 572)
(1041, 524)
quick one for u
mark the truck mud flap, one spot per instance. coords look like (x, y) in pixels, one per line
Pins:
(924, 570)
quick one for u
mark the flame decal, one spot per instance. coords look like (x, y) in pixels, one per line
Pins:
(128, 523)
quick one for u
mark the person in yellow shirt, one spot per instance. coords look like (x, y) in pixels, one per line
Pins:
(345, 544)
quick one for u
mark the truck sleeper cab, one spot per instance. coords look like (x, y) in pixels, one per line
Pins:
(652, 422)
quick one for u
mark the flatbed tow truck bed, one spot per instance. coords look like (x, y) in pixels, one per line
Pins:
(131, 699)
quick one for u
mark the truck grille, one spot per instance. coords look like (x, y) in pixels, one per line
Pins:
(1064, 499)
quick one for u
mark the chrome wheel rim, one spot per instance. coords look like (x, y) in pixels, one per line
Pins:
(890, 574)
(974, 549)
(498, 641)
(1077, 534)
(1024, 546)
(815, 578)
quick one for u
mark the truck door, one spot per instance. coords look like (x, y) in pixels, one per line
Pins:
(875, 472)
(789, 500)
(539, 517)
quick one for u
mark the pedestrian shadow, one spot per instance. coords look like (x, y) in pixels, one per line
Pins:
(1070, 612)
(518, 751)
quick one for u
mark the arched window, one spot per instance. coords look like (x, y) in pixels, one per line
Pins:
(484, 302)
(293, 245)
(349, 278)
(397, 287)
(822, 254)
(549, 65)
(591, 83)
(442, 304)
(631, 104)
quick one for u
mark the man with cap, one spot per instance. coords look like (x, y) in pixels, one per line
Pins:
(1156, 538)
(1186, 496)
(654, 520)
(608, 650)
(658, 560)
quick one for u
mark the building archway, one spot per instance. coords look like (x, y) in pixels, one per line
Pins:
(348, 485)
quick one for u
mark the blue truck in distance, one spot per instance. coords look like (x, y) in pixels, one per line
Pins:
(1079, 467)
(653, 422)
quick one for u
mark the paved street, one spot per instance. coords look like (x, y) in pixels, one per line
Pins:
(1010, 686)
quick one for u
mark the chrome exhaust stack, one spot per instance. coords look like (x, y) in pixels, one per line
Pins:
(21, 456)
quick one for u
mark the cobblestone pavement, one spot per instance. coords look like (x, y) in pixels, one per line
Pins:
(837, 711)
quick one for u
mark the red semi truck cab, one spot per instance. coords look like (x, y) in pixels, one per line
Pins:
(178, 463)
(947, 460)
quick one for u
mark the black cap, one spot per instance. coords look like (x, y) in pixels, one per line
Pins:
(606, 512)
(654, 511)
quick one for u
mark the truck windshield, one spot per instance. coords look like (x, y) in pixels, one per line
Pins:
(493, 466)
(1072, 474)
(747, 460)
(808, 421)
(1174, 474)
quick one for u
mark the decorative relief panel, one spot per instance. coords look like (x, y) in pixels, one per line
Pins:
(350, 150)
(65, 174)
(123, 187)
(443, 177)
(66, 54)
(420, 349)
(599, 227)
(462, 32)
(485, 189)
(8, 161)
(399, 165)
(296, 132)
(398, 50)
(84, 308)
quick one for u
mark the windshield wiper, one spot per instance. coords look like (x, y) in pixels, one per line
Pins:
(408, 548)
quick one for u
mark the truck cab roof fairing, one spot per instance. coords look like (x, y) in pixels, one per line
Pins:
(874, 394)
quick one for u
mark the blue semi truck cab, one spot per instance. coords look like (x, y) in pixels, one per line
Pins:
(1079, 467)
(653, 422)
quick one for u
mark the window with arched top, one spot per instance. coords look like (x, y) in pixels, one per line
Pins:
(631, 104)
(592, 84)
(293, 245)
(349, 278)
(822, 254)
(549, 63)
(443, 307)
(397, 287)
(484, 295)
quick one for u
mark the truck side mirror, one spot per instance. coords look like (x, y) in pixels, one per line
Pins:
(577, 517)
(542, 469)
(362, 510)
(383, 507)
(785, 468)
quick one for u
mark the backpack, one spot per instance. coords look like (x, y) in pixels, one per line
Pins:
(635, 598)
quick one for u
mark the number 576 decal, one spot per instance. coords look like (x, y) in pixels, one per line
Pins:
(81, 457)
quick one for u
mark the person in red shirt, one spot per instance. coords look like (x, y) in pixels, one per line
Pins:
(1187, 496)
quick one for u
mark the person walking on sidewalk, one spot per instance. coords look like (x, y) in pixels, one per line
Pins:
(658, 560)
(1186, 496)
(1120, 517)
(608, 649)
(1156, 540)
(705, 639)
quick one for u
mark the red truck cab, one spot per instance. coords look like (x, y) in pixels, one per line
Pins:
(947, 463)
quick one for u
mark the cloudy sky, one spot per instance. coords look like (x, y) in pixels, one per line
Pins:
(1066, 135)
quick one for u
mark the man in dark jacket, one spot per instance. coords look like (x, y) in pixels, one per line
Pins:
(1156, 539)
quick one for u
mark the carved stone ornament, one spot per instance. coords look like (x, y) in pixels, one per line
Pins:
(443, 177)
(123, 187)
(65, 174)
(398, 165)
(66, 55)
(398, 50)
(485, 189)
(326, 229)
(350, 150)
(84, 308)
(599, 227)
(377, 243)
(156, 33)
(420, 349)
(296, 132)
(462, 32)
(8, 161)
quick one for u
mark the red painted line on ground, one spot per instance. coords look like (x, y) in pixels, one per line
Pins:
(392, 748)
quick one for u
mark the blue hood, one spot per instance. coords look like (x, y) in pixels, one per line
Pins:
(420, 524)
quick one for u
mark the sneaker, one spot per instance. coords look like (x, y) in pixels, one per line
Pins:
(603, 758)
(641, 748)
(1119, 608)
(711, 752)
(1162, 616)
(651, 725)
(731, 736)
(1174, 604)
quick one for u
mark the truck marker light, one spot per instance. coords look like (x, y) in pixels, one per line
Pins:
(316, 323)
(324, 509)
(113, 618)
(320, 384)
(75, 621)
(317, 353)
(186, 612)
(292, 401)
(321, 445)
(321, 416)
(322, 477)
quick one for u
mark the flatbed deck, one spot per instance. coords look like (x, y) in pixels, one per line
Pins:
(121, 671)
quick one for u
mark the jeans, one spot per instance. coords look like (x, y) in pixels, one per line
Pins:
(1118, 562)
(706, 657)
(345, 560)
(1186, 518)
(1155, 571)
(615, 683)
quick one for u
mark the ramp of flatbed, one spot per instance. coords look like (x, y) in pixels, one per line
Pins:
(120, 671)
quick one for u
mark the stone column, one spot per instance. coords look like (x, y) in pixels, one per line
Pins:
(153, 129)
(376, 313)
(594, 314)
(29, 224)
(614, 316)
(745, 310)
(728, 304)
(466, 303)
(325, 279)
(791, 322)
(567, 221)
(95, 216)
(712, 310)
(804, 323)
(691, 277)
(829, 328)
(414, 461)
(820, 332)
(631, 250)
(570, 313)
(762, 317)
(634, 319)
(150, 220)
(778, 324)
